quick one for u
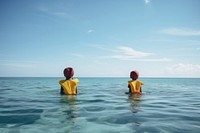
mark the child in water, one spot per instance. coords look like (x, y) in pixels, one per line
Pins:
(134, 85)
(68, 86)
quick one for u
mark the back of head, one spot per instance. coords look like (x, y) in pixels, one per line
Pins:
(68, 72)
(134, 75)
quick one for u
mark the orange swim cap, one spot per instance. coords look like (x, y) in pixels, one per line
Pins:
(134, 74)
(68, 72)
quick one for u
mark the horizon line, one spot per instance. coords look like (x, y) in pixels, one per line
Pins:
(88, 77)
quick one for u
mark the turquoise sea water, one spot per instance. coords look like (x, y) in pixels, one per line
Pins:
(169, 105)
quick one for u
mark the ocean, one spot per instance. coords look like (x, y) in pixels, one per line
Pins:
(168, 105)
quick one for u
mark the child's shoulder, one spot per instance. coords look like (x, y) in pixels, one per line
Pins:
(61, 81)
(134, 81)
(75, 80)
(130, 81)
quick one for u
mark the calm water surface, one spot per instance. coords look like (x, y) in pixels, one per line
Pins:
(29, 105)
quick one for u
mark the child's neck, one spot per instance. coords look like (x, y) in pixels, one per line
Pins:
(68, 78)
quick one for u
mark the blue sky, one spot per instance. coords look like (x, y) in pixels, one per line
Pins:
(159, 38)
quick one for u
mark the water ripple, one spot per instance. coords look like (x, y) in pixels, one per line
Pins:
(35, 105)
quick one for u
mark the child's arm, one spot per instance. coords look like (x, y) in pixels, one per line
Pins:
(62, 91)
(142, 83)
(129, 88)
(76, 90)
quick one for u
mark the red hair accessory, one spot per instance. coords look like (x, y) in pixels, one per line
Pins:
(134, 74)
(68, 72)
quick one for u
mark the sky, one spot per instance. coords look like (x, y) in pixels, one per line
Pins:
(100, 38)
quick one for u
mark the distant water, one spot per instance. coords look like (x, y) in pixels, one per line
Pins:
(34, 105)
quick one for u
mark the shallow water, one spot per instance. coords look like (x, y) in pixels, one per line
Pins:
(29, 105)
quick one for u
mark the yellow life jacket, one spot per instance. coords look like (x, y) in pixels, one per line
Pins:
(135, 86)
(69, 86)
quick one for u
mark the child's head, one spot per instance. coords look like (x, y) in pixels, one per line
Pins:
(68, 72)
(134, 75)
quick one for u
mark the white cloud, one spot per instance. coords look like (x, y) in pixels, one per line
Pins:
(127, 53)
(53, 12)
(181, 32)
(186, 70)
(147, 2)
(60, 14)
(131, 53)
(90, 31)
(18, 64)
(122, 57)
(155, 60)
